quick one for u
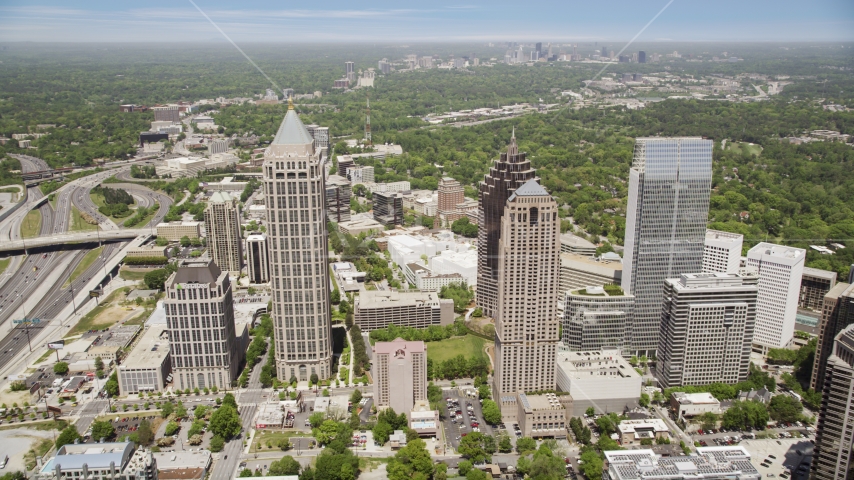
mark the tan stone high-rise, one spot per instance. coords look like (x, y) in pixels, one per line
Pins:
(295, 192)
(222, 226)
(451, 194)
(526, 321)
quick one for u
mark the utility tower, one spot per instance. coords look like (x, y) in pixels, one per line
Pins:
(368, 141)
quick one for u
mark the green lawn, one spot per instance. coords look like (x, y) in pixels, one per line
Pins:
(745, 148)
(136, 275)
(467, 346)
(77, 222)
(89, 320)
(87, 262)
(32, 224)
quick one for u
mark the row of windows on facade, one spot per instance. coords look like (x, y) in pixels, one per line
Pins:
(295, 229)
(298, 259)
(201, 361)
(296, 243)
(199, 348)
(213, 308)
(200, 380)
(194, 293)
(177, 323)
(292, 188)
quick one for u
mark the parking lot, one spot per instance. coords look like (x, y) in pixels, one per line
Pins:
(458, 418)
(781, 458)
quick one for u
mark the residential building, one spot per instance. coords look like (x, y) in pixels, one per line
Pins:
(337, 199)
(668, 207)
(295, 195)
(399, 369)
(451, 194)
(709, 462)
(167, 113)
(578, 271)
(815, 284)
(202, 336)
(544, 415)
(359, 174)
(693, 404)
(632, 432)
(834, 439)
(100, 461)
(391, 187)
(837, 314)
(509, 172)
(374, 309)
(526, 322)
(174, 231)
(570, 243)
(596, 318)
(224, 237)
(388, 208)
(218, 145)
(707, 324)
(320, 136)
(598, 378)
(722, 252)
(147, 367)
(780, 271)
(258, 258)
(763, 395)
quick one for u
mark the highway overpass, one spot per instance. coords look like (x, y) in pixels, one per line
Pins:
(61, 239)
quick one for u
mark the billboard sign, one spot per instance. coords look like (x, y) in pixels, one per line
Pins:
(56, 345)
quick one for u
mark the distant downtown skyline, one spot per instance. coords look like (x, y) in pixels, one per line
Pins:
(385, 20)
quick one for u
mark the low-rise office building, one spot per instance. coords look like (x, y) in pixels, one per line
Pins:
(579, 271)
(357, 226)
(708, 463)
(693, 404)
(100, 461)
(570, 243)
(148, 365)
(183, 465)
(545, 415)
(377, 309)
(633, 432)
(423, 419)
(146, 251)
(601, 379)
(174, 231)
(427, 281)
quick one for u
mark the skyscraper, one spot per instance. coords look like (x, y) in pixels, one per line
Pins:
(509, 172)
(222, 225)
(200, 319)
(837, 314)
(526, 322)
(595, 318)
(338, 199)
(707, 322)
(400, 374)
(722, 252)
(668, 206)
(349, 71)
(297, 241)
(780, 271)
(641, 57)
(388, 208)
(258, 258)
(833, 456)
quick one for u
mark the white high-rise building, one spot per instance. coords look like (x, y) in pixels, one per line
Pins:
(526, 321)
(297, 240)
(722, 252)
(668, 207)
(780, 270)
(707, 323)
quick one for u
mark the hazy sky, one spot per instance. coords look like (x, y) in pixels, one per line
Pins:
(440, 20)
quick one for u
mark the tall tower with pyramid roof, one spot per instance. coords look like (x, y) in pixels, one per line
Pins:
(509, 172)
(294, 187)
